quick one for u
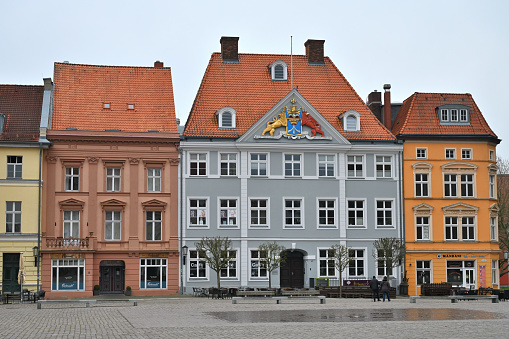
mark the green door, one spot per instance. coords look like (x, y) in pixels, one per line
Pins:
(10, 273)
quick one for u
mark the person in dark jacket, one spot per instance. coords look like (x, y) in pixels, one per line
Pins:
(373, 284)
(385, 287)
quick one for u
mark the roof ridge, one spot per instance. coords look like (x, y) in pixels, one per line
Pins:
(109, 66)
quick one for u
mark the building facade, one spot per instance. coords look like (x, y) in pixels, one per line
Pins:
(449, 165)
(20, 179)
(111, 208)
(281, 148)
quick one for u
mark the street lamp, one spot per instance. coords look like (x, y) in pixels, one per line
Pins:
(184, 254)
(506, 255)
(37, 253)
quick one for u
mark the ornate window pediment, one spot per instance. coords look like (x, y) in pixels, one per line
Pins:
(113, 204)
(154, 205)
(458, 167)
(423, 209)
(71, 203)
(460, 208)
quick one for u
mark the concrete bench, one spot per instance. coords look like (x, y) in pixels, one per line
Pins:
(454, 298)
(278, 300)
(256, 293)
(300, 293)
(86, 302)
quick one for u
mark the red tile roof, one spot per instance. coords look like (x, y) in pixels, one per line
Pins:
(418, 116)
(82, 90)
(247, 87)
(22, 106)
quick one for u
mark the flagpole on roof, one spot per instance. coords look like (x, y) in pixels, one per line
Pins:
(291, 60)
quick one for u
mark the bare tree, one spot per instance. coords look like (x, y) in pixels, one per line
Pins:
(503, 209)
(217, 253)
(342, 259)
(389, 252)
(272, 256)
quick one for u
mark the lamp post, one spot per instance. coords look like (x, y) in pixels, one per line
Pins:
(182, 272)
(36, 252)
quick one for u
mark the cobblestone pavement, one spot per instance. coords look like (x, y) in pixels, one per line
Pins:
(189, 317)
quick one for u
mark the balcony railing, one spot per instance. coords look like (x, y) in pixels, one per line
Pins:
(60, 243)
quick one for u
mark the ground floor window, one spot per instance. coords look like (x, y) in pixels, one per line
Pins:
(327, 266)
(423, 271)
(258, 265)
(356, 265)
(461, 272)
(231, 270)
(67, 274)
(197, 264)
(381, 268)
(153, 273)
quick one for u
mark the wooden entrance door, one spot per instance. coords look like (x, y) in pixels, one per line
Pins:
(292, 270)
(112, 277)
(10, 273)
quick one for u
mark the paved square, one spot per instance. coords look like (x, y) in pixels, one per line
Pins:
(189, 317)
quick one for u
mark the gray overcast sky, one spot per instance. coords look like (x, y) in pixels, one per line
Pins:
(416, 46)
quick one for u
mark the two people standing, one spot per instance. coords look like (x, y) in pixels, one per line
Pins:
(385, 287)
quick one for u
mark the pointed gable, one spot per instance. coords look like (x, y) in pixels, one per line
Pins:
(460, 208)
(420, 115)
(247, 86)
(99, 98)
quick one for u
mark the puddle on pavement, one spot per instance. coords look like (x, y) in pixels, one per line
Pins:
(353, 315)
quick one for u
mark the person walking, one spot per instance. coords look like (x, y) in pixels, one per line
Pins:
(385, 287)
(373, 284)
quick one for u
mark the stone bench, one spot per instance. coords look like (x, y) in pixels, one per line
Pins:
(86, 301)
(256, 293)
(454, 298)
(279, 300)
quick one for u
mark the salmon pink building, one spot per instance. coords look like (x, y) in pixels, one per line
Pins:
(109, 219)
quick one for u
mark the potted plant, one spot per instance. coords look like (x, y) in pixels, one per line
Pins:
(128, 290)
(97, 288)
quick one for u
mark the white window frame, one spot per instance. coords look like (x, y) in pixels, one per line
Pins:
(296, 168)
(463, 116)
(470, 228)
(494, 272)
(13, 213)
(258, 162)
(294, 211)
(154, 179)
(114, 219)
(467, 185)
(355, 163)
(491, 155)
(222, 112)
(386, 271)
(452, 226)
(196, 258)
(72, 224)
(444, 118)
(201, 212)
(356, 260)
(329, 261)
(452, 184)
(466, 154)
(327, 210)
(492, 186)
(198, 158)
(422, 185)
(356, 209)
(452, 153)
(72, 179)
(257, 264)
(15, 167)
(162, 265)
(493, 228)
(384, 210)
(154, 224)
(347, 118)
(79, 264)
(423, 269)
(231, 164)
(326, 163)
(233, 264)
(228, 213)
(383, 166)
(113, 177)
(455, 115)
(273, 70)
(460, 226)
(421, 153)
(258, 209)
(425, 227)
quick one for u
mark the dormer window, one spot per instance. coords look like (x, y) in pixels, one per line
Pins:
(226, 118)
(453, 114)
(279, 71)
(350, 121)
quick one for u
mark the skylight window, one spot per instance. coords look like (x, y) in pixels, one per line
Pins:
(130, 106)
(106, 105)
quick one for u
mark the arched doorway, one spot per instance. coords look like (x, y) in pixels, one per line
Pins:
(111, 279)
(292, 270)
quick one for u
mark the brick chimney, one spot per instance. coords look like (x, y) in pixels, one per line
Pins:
(314, 51)
(48, 84)
(229, 48)
(375, 104)
(158, 64)
(387, 106)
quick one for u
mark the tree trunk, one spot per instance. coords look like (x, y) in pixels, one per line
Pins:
(270, 282)
(340, 284)
(218, 279)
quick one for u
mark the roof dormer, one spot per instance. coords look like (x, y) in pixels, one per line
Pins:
(278, 71)
(351, 121)
(453, 114)
(226, 118)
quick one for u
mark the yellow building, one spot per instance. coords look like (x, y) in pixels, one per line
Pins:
(450, 205)
(20, 156)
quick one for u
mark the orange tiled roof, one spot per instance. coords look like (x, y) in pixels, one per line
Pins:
(82, 90)
(247, 87)
(417, 116)
(22, 106)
